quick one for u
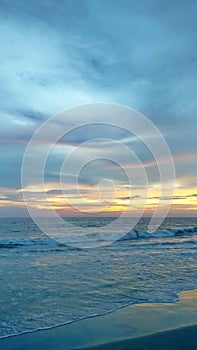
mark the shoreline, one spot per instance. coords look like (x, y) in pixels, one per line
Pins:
(124, 325)
(99, 315)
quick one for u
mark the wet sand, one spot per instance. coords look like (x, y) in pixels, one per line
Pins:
(178, 339)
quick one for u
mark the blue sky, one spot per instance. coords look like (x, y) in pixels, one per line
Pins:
(55, 55)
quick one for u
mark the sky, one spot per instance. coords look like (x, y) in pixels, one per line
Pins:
(57, 55)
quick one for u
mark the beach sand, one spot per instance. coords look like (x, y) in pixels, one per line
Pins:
(144, 326)
(178, 339)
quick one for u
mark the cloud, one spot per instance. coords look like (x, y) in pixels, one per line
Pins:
(141, 54)
(128, 198)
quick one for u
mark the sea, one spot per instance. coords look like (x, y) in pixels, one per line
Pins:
(44, 283)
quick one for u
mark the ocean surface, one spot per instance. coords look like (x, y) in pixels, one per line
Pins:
(44, 283)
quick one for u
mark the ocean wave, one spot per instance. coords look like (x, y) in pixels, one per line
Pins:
(165, 233)
(134, 235)
(13, 243)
